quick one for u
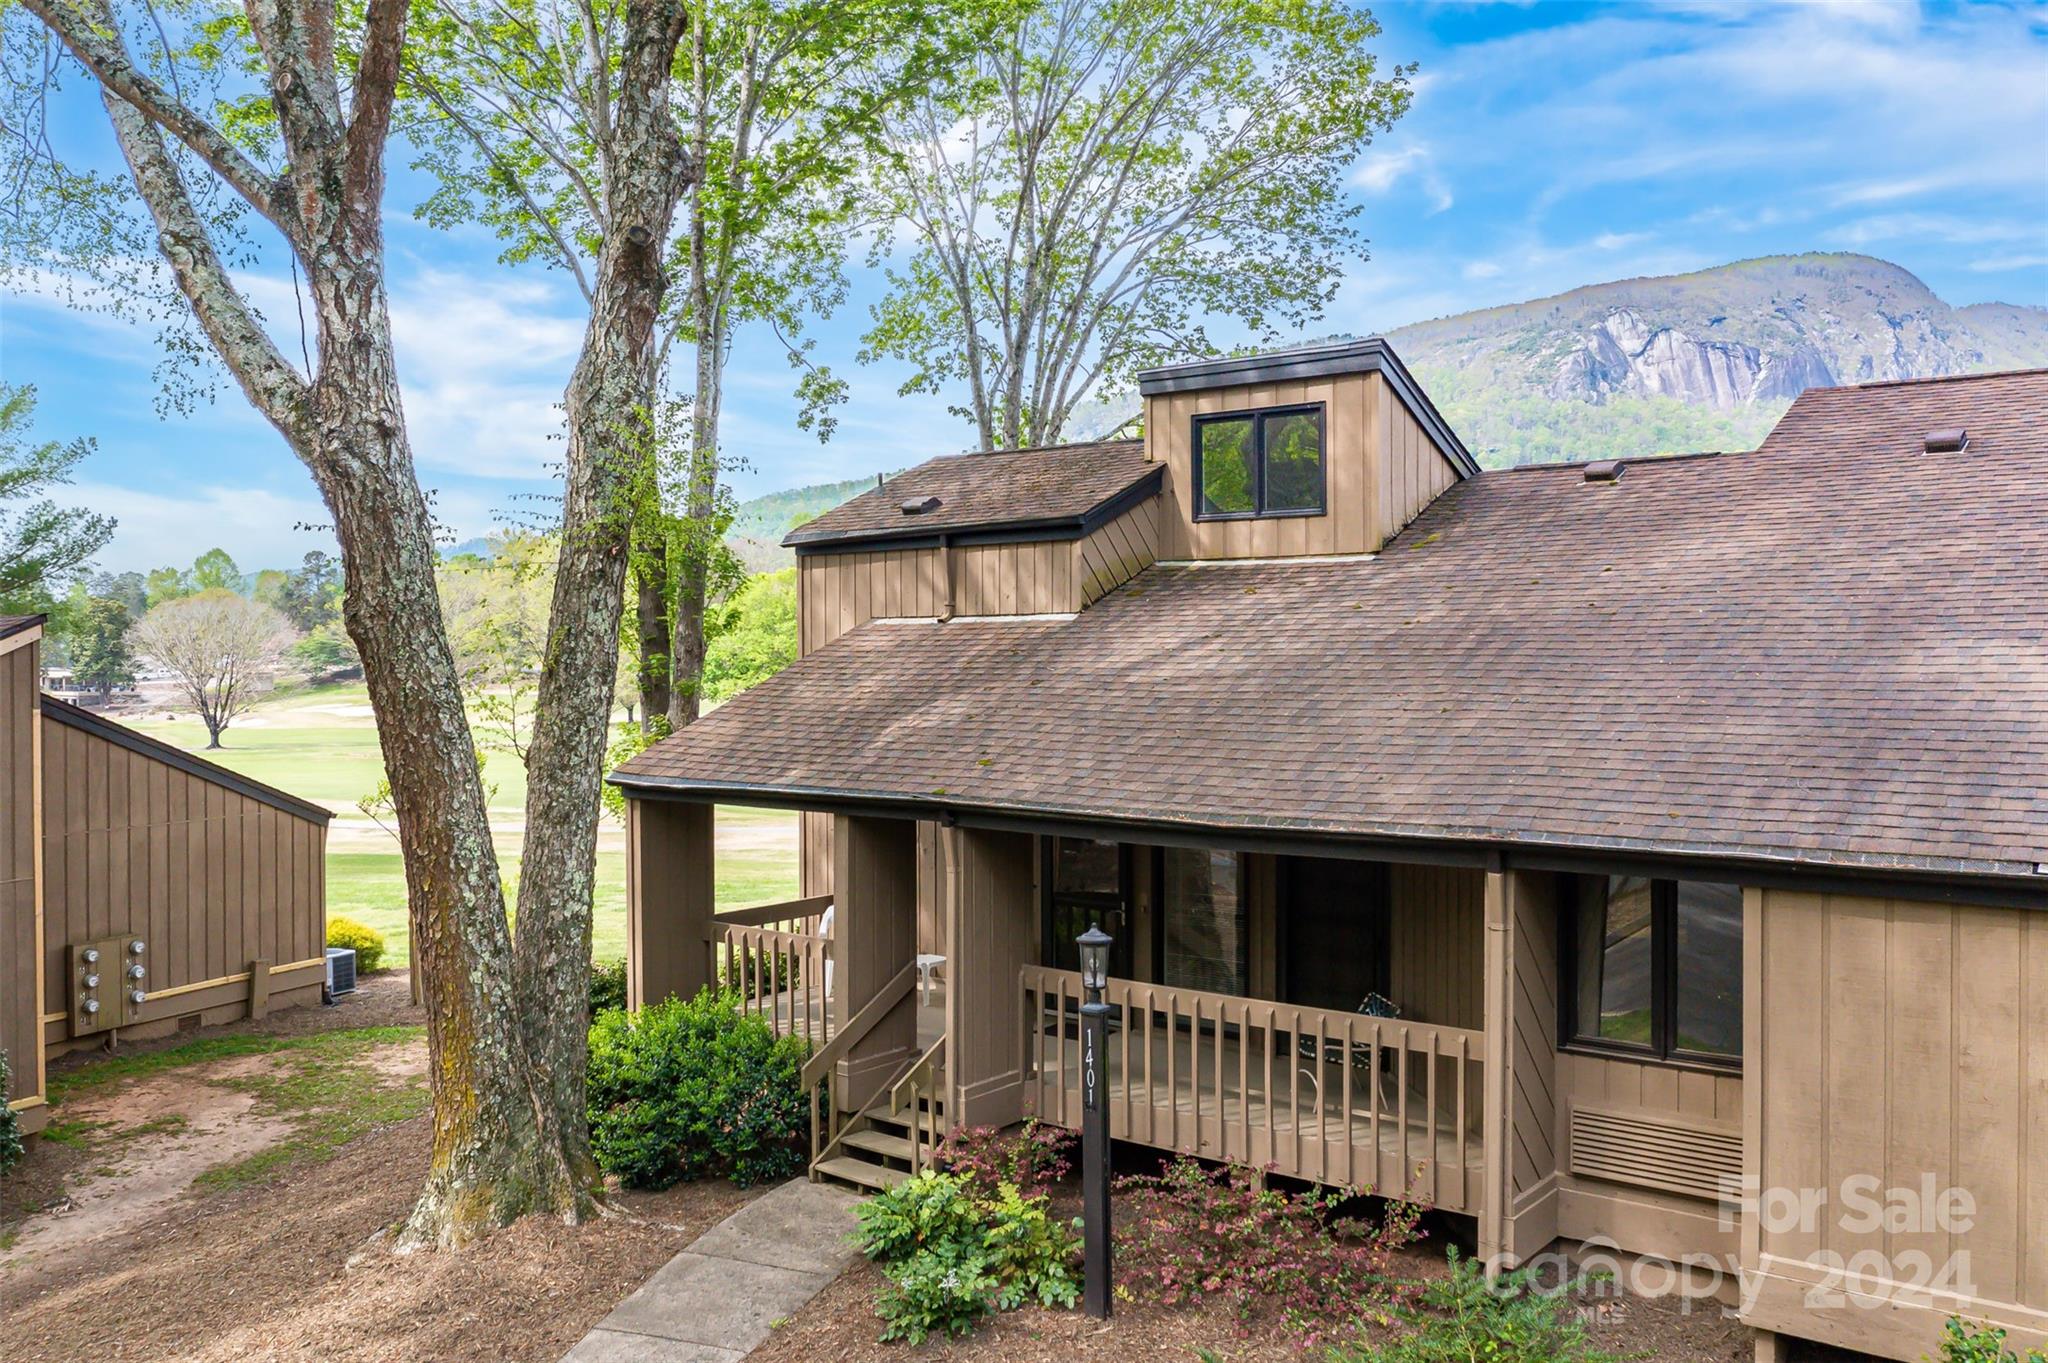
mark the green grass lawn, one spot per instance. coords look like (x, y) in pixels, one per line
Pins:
(320, 743)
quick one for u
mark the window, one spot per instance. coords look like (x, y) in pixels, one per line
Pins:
(1656, 969)
(1204, 943)
(1267, 463)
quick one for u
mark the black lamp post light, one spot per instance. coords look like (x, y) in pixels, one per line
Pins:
(1095, 1292)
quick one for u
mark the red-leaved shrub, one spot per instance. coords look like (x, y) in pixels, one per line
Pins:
(1189, 1232)
(1031, 1159)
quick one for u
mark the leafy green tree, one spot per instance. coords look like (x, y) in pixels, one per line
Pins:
(308, 595)
(757, 637)
(264, 129)
(778, 106)
(216, 571)
(1115, 173)
(43, 547)
(130, 589)
(167, 584)
(98, 645)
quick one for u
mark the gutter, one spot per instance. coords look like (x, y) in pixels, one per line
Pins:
(1992, 883)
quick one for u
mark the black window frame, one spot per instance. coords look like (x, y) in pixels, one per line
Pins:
(1258, 417)
(1662, 1048)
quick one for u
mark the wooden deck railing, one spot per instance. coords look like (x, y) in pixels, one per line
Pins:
(1338, 1098)
(820, 1077)
(918, 1092)
(774, 957)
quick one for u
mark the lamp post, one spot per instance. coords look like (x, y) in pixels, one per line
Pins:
(1095, 1296)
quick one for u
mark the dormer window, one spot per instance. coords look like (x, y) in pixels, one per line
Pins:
(1263, 463)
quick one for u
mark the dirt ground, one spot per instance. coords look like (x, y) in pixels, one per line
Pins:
(111, 1252)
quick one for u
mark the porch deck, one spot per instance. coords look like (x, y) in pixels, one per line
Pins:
(1339, 1099)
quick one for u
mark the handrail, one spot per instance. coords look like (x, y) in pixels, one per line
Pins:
(920, 1081)
(859, 1025)
(766, 915)
(920, 1068)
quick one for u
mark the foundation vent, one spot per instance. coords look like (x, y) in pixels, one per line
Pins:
(1632, 1147)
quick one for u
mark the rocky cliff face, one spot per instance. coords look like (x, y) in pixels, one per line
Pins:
(1754, 331)
(1706, 360)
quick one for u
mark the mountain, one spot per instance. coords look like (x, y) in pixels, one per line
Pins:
(1707, 360)
(1701, 361)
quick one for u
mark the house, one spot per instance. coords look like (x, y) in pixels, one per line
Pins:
(1647, 853)
(142, 889)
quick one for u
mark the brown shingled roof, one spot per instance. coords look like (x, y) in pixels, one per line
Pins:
(1833, 649)
(985, 491)
(15, 624)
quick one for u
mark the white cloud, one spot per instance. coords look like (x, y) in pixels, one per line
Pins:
(1481, 269)
(259, 528)
(2000, 264)
(1614, 241)
(1378, 171)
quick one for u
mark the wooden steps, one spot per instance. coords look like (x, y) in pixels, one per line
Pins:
(873, 1154)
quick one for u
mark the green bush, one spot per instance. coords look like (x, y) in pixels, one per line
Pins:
(367, 942)
(688, 1088)
(10, 1125)
(607, 986)
(1510, 1319)
(1963, 1342)
(952, 1258)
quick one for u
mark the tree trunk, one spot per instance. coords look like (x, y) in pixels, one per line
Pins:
(492, 1157)
(693, 577)
(611, 448)
(651, 583)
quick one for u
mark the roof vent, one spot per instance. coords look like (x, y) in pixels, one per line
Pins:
(917, 506)
(1952, 441)
(1604, 471)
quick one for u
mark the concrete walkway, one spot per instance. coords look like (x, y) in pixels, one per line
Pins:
(717, 1299)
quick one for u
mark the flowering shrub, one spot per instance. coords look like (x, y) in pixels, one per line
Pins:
(1188, 1232)
(366, 942)
(1033, 1159)
(690, 1087)
(1510, 1319)
(953, 1257)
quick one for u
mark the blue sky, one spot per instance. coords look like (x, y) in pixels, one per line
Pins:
(1550, 145)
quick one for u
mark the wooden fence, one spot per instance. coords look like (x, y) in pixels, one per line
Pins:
(778, 962)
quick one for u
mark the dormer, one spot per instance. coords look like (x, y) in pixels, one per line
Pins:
(1317, 451)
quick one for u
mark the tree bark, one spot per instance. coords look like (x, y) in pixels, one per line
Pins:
(611, 448)
(503, 1143)
(651, 585)
(693, 572)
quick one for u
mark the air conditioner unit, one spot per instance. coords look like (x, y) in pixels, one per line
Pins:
(341, 971)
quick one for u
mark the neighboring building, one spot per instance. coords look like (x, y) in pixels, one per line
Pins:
(1691, 814)
(210, 884)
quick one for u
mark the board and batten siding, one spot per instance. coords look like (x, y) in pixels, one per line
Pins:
(21, 957)
(1437, 970)
(211, 878)
(1897, 1040)
(1380, 469)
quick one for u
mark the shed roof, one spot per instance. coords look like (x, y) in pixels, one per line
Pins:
(1056, 487)
(14, 624)
(78, 717)
(1830, 650)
